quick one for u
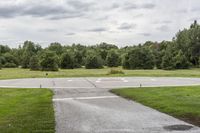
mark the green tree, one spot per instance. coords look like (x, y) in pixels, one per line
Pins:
(34, 63)
(112, 59)
(56, 47)
(125, 61)
(180, 61)
(49, 61)
(167, 61)
(0, 63)
(26, 59)
(93, 61)
(67, 61)
(4, 49)
(138, 58)
(77, 58)
(10, 60)
(28, 50)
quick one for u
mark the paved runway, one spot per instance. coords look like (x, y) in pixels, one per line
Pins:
(84, 105)
(98, 82)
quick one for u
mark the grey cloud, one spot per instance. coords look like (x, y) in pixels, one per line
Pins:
(23, 10)
(9, 11)
(162, 22)
(43, 10)
(114, 6)
(68, 15)
(147, 6)
(145, 34)
(195, 9)
(70, 34)
(129, 6)
(70, 10)
(79, 5)
(101, 29)
(193, 19)
(48, 30)
(126, 26)
(163, 28)
(166, 21)
(101, 18)
(182, 11)
(138, 15)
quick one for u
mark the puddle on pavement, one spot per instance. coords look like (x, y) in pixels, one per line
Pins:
(178, 127)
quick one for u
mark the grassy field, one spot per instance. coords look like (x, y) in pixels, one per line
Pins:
(180, 102)
(26, 111)
(11, 73)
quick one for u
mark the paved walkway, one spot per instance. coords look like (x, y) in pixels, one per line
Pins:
(84, 105)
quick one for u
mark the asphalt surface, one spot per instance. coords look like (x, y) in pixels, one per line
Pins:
(84, 105)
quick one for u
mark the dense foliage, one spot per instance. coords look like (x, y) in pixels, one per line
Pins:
(93, 60)
(181, 53)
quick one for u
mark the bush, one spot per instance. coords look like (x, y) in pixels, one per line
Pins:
(93, 61)
(67, 61)
(115, 71)
(112, 59)
(49, 61)
(10, 65)
(34, 63)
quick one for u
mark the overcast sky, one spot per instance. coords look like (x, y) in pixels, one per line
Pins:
(124, 22)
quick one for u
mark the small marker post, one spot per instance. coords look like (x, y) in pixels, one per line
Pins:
(140, 85)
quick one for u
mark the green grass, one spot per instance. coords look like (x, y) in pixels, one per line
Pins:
(180, 102)
(11, 73)
(26, 111)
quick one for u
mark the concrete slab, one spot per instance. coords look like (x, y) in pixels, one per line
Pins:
(84, 105)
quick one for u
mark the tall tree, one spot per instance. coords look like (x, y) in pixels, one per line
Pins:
(29, 49)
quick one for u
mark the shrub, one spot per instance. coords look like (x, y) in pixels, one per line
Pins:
(115, 71)
(10, 65)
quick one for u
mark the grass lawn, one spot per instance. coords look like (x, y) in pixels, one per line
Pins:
(26, 111)
(11, 73)
(180, 102)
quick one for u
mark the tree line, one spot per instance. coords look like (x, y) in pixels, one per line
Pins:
(182, 52)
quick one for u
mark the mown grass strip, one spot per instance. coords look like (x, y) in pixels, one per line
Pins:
(180, 102)
(26, 111)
